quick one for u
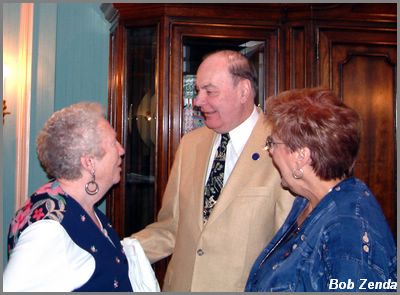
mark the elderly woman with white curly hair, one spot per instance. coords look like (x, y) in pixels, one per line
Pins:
(59, 240)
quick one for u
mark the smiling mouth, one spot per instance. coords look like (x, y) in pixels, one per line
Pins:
(205, 114)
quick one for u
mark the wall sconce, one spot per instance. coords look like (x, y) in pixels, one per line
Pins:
(6, 73)
(5, 109)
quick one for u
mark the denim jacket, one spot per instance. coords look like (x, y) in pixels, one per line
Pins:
(345, 244)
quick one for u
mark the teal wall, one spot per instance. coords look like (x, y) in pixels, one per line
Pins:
(43, 82)
(80, 35)
(69, 64)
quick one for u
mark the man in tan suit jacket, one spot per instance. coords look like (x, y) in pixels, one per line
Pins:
(217, 255)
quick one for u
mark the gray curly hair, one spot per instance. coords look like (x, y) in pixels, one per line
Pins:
(69, 134)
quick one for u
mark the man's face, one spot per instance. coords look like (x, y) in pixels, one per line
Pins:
(219, 99)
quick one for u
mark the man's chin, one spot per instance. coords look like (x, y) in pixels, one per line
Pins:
(213, 126)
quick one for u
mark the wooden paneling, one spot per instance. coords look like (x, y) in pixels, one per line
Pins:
(360, 66)
(295, 57)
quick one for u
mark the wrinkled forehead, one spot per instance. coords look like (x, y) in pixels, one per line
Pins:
(215, 60)
(211, 70)
(105, 128)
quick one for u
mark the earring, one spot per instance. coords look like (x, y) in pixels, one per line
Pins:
(92, 187)
(297, 173)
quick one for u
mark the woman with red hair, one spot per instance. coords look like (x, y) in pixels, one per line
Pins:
(336, 237)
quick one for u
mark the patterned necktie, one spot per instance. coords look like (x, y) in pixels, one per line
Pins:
(215, 181)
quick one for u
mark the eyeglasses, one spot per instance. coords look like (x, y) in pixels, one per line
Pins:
(269, 144)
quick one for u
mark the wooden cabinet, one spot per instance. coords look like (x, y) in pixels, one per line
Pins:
(349, 48)
(360, 66)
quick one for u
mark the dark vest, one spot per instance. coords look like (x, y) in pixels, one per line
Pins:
(50, 202)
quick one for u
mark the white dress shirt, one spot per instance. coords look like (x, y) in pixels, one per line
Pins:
(238, 139)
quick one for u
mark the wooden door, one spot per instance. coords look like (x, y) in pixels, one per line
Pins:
(359, 65)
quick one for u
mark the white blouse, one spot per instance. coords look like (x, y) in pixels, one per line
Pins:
(51, 260)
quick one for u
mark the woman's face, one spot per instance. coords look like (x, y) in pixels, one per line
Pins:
(108, 170)
(283, 159)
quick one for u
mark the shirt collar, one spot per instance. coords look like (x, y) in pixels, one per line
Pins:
(241, 133)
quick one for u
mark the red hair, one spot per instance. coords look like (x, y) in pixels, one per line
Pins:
(317, 119)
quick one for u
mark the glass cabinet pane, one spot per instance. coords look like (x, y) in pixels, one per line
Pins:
(140, 128)
(194, 49)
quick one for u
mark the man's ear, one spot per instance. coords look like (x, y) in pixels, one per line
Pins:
(245, 90)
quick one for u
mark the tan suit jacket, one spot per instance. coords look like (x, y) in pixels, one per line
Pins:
(250, 209)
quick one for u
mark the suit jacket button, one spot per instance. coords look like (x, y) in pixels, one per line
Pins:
(200, 252)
